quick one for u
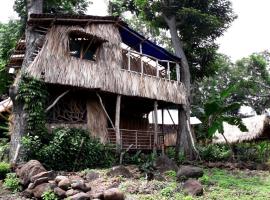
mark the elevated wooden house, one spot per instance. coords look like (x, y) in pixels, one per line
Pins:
(109, 76)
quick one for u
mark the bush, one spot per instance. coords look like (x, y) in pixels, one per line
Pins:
(49, 195)
(12, 183)
(69, 149)
(4, 169)
(214, 152)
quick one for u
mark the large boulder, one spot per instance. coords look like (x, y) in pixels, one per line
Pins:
(164, 163)
(80, 196)
(120, 171)
(40, 189)
(193, 187)
(113, 194)
(29, 170)
(59, 192)
(188, 171)
(48, 174)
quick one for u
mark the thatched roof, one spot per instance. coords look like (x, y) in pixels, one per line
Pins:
(258, 127)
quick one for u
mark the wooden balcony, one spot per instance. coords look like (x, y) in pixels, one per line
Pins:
(140, 140)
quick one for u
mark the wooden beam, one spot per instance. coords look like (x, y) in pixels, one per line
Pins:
(117, 123)
(155, 127)
(103, 107)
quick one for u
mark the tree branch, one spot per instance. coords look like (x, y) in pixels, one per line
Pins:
(56, 100)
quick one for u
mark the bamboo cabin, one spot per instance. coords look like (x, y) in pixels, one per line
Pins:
(258, 129)
(109, 77)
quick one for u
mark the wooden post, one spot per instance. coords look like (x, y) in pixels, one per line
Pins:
(168, 71)
(136, 139)
(141, 59)
(117, 124)
(157, 68)
(128, 60)
(155, 127)
(178, 72)
(162, 116)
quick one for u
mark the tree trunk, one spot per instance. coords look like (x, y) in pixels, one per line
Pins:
(18, 129)
(183, 141)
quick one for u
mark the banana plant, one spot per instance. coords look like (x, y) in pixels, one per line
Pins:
(217, 110)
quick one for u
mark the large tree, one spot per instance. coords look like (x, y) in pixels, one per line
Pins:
(24, 9)
(193, 25)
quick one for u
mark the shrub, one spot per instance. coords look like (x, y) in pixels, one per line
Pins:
(12, 183)
(70, 149)
(4, 169)
(49, 195)
(214, 152)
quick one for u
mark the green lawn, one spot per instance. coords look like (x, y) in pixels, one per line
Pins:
(218, 185)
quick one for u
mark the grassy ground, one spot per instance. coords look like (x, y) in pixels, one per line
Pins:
(218, 185)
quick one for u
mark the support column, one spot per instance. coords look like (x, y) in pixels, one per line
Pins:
(155, 127)
(117, 124)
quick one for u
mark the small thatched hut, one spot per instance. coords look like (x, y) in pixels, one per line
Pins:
(109, 77)
(258, 129)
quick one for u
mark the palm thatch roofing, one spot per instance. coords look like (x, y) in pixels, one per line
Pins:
(258, 128)
(54, 64)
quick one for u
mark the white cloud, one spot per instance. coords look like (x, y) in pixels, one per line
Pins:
(6, 11)
(250, 32)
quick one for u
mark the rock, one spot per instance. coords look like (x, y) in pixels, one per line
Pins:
(28, 170)
(38, 182)
(99, 195)
(48, 174)
(164, 163)
(28, 193)
(120, 171)
(64, 184)
(92, 176)
(59, 192)
(79, 196)
(80, 185)
(188, 171)
(72, 192)
(40, 189)
(113, 194)
(193, 187)
(59, 178)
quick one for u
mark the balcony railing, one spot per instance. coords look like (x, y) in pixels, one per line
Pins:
(148, 65)
(143, 140)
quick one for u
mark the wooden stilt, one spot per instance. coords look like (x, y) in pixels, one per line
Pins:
(155, 127)
(162, 116)
(117, 124)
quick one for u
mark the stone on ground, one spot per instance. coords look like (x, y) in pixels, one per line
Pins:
(79, 196)
(40, 189)
(193, 187)
(120, 171)
(48, 174)
(28, 170)
(64, 184)
(164, 163)
(60, 192)
(113, 194)
(188, 171)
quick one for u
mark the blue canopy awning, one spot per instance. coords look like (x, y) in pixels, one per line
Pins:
(133, 39)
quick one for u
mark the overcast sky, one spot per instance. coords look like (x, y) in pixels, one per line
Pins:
(249, 33)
